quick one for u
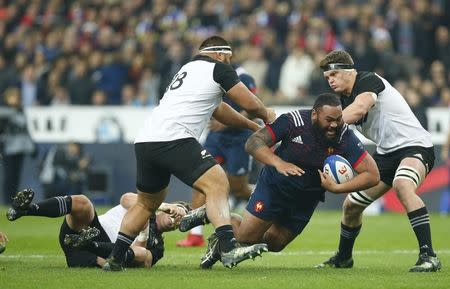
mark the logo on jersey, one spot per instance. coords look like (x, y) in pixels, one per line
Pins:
(360, 145)
(205, 154)
(330, 150)
(298, 139)
(259, 206)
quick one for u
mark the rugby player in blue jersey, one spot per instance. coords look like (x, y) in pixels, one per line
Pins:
(292, 184)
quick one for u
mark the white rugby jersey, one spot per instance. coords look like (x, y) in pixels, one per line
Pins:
(189, 101)
(111, 221)
(390, 123)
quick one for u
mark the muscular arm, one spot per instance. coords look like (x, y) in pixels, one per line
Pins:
(359, 107)
(241, 95)
(228, 116)
(367, 177)
(258, 145)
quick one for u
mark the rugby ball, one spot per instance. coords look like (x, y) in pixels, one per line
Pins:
(338, 168)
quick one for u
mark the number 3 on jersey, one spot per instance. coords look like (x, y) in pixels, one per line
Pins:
(177, 81)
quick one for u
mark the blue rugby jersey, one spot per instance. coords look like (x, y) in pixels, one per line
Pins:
(300, 146)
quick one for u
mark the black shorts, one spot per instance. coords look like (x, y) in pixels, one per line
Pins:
(388, 163)
(157, 161)
(76, 257)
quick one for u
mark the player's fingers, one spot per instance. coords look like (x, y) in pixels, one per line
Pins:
(322, 176)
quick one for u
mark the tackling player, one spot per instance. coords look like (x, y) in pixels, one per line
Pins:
(291, 184)
(227, 146)
(404, 154)
(168, 145)
(87, 239)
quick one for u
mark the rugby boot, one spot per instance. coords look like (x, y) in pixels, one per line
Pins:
(82, 239)
(212, 254)
(336, 262)
(426, 263)
(193, 219)
(20, 204)
(112, 265)
(241, 253)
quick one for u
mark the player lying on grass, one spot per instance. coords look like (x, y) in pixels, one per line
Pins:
(291, 184)
(87, 239)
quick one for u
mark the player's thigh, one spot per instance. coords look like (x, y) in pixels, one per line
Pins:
(151, 175)
(374, 192)
(213, 181)
(82, 213)
(189, 161)
(388, 164)
(252, 229)
(295, 215)
(415, 164)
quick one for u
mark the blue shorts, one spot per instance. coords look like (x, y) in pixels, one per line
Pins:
(271, 206)
(229, 151)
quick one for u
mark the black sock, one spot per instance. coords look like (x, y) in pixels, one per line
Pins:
(227, 241)
(121, 246)
(101, 249)
(348, 237)
(53, 207)
(420, 222)
(104, 249)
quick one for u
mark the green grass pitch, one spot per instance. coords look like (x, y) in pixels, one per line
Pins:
(384, 251)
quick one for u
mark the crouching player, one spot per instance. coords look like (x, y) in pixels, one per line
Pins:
(291, 184)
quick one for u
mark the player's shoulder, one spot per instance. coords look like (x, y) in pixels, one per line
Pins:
(299, 117)
(368, 78)
(346, 133)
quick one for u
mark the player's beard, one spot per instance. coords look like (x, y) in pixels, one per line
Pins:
(320, 132)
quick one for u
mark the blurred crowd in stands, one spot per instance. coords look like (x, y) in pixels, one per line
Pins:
(111, 52)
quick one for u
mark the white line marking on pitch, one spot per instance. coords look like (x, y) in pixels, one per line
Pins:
(289, 253)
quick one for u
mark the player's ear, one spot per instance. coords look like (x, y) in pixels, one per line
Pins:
(314, 114)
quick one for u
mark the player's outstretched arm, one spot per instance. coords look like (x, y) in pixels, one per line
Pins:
(367, 177)
(226, 115)
(241, 95)
(258, 145)
(359, 107)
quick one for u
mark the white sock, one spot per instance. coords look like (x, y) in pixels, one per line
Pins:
(197, 230)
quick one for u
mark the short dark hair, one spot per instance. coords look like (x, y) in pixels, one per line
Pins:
(330, 99)
(336, 56)
(214, 41)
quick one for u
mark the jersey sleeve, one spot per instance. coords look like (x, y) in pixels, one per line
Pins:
(225, 76)
(280, 127)
(248, 81)
(369, 82)
(355, 151)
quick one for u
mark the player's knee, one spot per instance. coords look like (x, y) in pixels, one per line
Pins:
(351, 209)
(149, 202)
(273, 242)
(81, 203)
(404, 190)
(148, 259)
